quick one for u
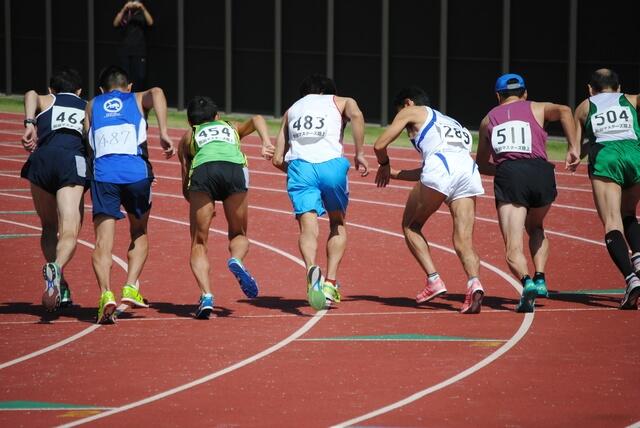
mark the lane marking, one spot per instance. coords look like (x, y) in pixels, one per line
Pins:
(17, 235)
(399, 338)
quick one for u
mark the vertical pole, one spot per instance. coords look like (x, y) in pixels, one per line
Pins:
(180, 104)
(91, 46)
(573, 38)
(277, 51)
(444, 16)
(7, 47)
(506, 35)
(227, 56)
(48, 42)
(330, 42)
(384, 86)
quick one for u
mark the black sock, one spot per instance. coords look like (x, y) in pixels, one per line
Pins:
(538, 275)
(632, 232)
(619, 252)
(524, 280)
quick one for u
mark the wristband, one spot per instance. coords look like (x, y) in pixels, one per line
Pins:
(384, 163)
(29, 121)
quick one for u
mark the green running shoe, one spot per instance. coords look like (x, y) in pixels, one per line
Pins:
(106, 308)
(65, 294)
(528, 300)
(315, 288)
(132, 297)
(51, 294)
(331, 292)
(541, 288)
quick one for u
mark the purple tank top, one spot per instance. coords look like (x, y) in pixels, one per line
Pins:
(515, 133)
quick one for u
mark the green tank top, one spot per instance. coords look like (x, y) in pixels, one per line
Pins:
(216, 141)
(611, 118)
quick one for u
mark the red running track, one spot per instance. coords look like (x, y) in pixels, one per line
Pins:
(273, 361)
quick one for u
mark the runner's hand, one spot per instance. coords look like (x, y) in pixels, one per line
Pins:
(383, 176)
(167, 145)
(29, 138)
(572, 161)
(360, 160)
(268, 150)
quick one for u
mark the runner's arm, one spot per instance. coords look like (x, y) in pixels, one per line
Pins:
(559, 112)
(31, 107)
(282, 145)
(184, 156)
(580, 118)
(406, 174)
(257, 123)
(484, 149)
(353, 112)
(400, 122)
(154, 99)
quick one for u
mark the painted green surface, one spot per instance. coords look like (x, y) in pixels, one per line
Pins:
(41, 405)
(401, 338)
(608, 291)
(17, 235)
(17, 212)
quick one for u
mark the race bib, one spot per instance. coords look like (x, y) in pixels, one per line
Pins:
(308, 129)
(66, 117)
(116, 139)
(614, 120)
(456, 136)
(220, 133)
(512, 136)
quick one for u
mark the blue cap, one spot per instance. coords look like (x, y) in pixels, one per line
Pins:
(503, 84)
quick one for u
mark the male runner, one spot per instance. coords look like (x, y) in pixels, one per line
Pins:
(56, 169)
(448, 175)
(524, 186)
(215, 169)
(610, 121)
(122, 175)
(311, 135)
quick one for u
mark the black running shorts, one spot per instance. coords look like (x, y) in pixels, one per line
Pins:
(527, 182)
(219, 179)
(53, 168)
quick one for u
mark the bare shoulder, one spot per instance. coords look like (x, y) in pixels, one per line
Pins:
(633, 99)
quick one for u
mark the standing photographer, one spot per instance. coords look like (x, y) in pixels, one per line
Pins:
(133, 19)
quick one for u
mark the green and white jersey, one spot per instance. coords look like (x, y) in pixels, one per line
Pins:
(611, 118)
(216, 141)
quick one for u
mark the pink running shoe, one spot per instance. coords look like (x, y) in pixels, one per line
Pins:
(432, 290)
(473, 299)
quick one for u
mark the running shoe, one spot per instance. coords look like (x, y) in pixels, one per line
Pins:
(432, 290)
(331, 292)
(132, 297)
(315, 288)
(630, 300)
(247, 282)
(205, 307)
(107, 308)
(541, 287)
(65, 294)
(51, 294)
(528, 300)
(473, 299)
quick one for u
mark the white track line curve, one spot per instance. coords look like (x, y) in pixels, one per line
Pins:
(69, 339)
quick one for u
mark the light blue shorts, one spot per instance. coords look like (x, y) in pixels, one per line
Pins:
(318, 187)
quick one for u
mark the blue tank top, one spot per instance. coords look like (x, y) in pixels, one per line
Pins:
(60, 126)
(118, 137)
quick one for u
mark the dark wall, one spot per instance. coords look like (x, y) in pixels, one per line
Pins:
(539, 48)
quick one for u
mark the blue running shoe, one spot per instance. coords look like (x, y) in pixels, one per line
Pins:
(206, 307)
(541, 288)
(51, 296)
(528, 300)
(247, 282)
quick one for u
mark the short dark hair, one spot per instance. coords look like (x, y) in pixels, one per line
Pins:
(517, 92)
(201, 109)
(65, 79)
(604, 78)
(414, 93)
(317, 84)
(112, 77)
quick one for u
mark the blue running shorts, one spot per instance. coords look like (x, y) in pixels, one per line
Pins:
(134, 197)
(318, 187)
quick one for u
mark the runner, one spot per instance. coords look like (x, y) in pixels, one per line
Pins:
(122, 175)
(448, 175)
(311, 135)
(215, 169)
(56, 170)
(512, 134)
(609, 119)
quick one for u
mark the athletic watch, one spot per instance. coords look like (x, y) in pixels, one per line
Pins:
(29, 121)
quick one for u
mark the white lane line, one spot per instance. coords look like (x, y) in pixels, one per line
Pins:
(44, 409)
(69, 339)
